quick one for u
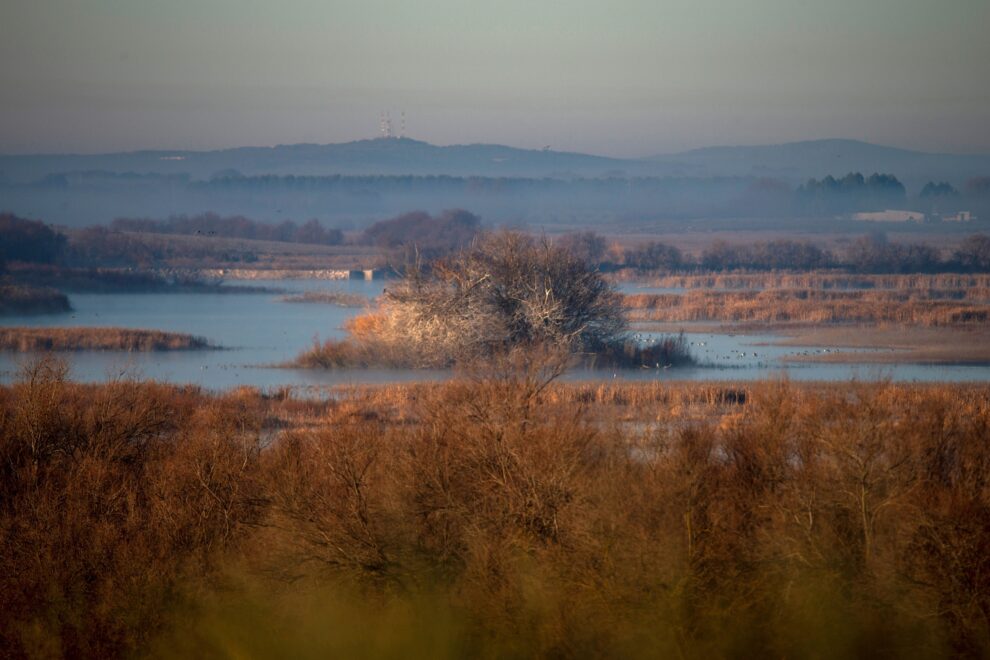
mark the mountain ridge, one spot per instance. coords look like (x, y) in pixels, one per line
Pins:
(790, 161)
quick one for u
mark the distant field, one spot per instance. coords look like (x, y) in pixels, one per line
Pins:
(183, 251)
(693, 237)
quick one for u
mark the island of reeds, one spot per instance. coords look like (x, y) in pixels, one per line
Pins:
(339, 298)
(23, 299)
(97, 339)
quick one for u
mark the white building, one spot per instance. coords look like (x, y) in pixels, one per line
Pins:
(890, 215)
(961, 216)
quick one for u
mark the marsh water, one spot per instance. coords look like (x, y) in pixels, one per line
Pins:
(258, 331)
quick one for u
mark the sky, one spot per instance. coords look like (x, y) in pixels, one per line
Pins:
(612, 77)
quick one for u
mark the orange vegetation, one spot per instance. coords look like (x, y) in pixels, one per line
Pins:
(823, 280)
(495, 518)
(924, 308)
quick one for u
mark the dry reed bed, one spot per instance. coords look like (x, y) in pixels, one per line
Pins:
(97, 339)
(339, 298)
(495, 518)
(807, 306)
(822, 280)
(24, 299)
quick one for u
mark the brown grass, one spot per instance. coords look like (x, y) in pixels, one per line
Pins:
(360, 354)
(96, 339)
(490, 518)
(812, 306)
(825, 280)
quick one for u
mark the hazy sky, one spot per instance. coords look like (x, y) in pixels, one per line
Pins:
(617, 77)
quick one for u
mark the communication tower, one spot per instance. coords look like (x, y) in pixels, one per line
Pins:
(385, 129)
(385, 125)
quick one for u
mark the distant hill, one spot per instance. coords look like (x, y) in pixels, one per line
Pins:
(793, 162)
(798, 161)
(385, 156)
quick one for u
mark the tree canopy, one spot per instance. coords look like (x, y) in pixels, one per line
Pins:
(28, 240)
(505, 290)
(431, 236)
(853, 192)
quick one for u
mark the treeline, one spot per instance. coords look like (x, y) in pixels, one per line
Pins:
(86, 198)
(119, 245)
(35, 242)
(876, 185)
(236, 226)
(867, 254)
(853, 192)
(28, 240)
(122, 245)
(36, 259)
(690, 197)
(432, 236)
(427, 235)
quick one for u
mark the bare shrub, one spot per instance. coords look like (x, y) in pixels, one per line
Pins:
(506, 515)
(111, 496)
(504, 292)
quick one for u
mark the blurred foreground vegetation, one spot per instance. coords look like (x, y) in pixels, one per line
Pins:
(498, 515)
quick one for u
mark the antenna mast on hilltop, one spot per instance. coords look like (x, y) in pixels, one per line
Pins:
(385, 125)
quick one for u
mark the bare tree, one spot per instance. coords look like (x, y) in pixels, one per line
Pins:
(586, 245)
(503, 292)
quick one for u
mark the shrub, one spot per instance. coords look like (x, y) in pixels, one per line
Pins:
(503, 292)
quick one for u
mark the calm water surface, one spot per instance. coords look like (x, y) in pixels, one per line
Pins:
(257, 330)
